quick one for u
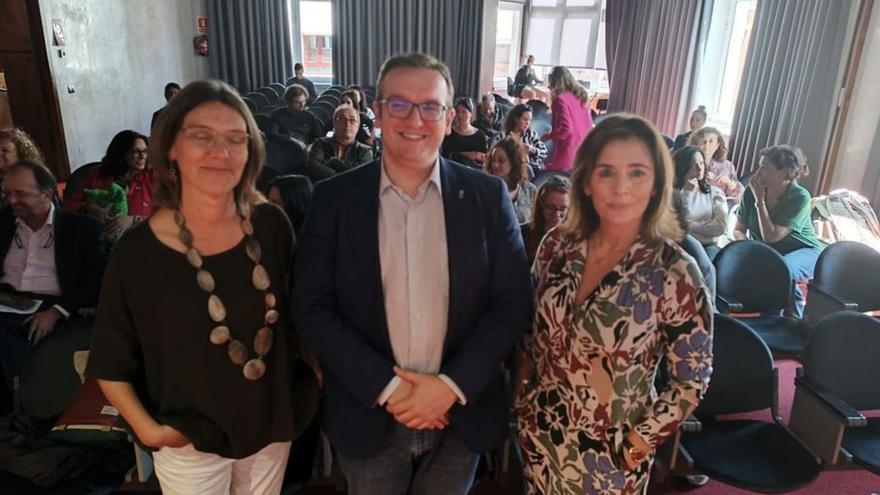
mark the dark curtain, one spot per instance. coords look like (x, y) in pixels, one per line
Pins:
(368, 32)
(653, 51)
(788, 90)
(249, 42)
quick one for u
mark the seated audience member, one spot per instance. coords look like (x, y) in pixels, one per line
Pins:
(292, 193)
(719, 170)
(124, 165)
(697, 121)
(341, 151)
(524, 83)
(775, 209)
(300, 78)
(354, 98)
(465, 144)
(490, 117)
(15, 145)
(507, 160)
(47, 253)
(171, 90)
(702, 206)
(292, 121)
(518, 126)
(551, 206)
(364, 107)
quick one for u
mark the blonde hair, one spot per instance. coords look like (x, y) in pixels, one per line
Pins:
(561, 80)
(659, 221)
(24, 144)
(168, 191)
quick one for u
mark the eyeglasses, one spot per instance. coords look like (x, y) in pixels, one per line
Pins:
(555, 209)
(138, 152)
(401, 109)
(207, 140)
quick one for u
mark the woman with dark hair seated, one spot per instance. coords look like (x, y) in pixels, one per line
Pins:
(355, 98)
(702, 206)
(551, 206)
(465, 144)
(292, 193)
(696, 122)
(507, 160)
(517, 125)
(776, 210)
(120, 190)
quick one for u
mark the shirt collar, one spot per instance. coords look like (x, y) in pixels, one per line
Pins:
(385, 181)
(50, 220)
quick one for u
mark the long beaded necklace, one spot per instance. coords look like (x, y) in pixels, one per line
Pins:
(252, 368)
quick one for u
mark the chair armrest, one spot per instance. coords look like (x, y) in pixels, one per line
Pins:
(726, 305)
(851, 417)
(691, 424)
(820, 304)
(843, 304)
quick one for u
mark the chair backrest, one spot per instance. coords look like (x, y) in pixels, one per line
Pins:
(263, 121)
(841, 271)
(743, 378)
(279, 89)
(270, 95)
(76, 179)
(842, 356)
(250, 104)
(754, 274)
(286, 156)
(260, 99)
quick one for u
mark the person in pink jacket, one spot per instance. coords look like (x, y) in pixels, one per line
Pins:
(571, 118)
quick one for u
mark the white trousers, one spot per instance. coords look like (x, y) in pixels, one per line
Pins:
(187, 471)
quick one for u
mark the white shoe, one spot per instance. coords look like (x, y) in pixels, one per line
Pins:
(697, 479)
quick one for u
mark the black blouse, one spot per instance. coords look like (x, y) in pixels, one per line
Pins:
(456, 143)
(152, 326)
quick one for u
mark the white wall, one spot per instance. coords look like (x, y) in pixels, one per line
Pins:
(858, 162)
(119, 55)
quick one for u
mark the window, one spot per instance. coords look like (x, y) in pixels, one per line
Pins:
(316, 31)
(724, 60)
(507, 42)
(569, 33)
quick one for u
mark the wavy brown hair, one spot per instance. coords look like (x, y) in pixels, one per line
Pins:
(168, 191)
(721, 153)
(516, 155)
(659, 221)
(24, 146)
(561, 80)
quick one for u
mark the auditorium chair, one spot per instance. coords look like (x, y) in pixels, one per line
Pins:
(286, 156)
(263, 121)
(260, 99)
(846, 278)
(839, 379)
(757, 455)
(279, 89)
(250, 104)
(271, 97)
(754, 284)
(322, 115)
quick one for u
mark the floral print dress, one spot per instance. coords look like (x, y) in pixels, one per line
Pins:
(595, 363)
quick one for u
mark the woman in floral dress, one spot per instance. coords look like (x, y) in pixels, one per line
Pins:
(614, 295)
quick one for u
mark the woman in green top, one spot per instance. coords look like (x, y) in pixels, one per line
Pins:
(776, 210)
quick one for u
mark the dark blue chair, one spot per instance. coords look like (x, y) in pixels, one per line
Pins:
(843, 281)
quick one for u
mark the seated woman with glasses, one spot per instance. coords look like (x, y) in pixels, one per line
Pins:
(465, 144)
(123, 176)
(551, 206)
(341, 151)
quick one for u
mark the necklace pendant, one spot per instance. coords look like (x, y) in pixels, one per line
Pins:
(205, 281)
(216, 308)
(238, 352)
(253, 250)
(254, 369)
(263, 341)
(260, 278)
(220, 335)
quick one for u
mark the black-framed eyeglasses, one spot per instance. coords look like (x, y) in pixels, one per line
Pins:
(402, 109)
(138, 152)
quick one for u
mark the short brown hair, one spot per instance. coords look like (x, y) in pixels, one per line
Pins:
(516, 155)
(168, 192)
(24, 145)
(721, 153)
(788, 158)
(658, 221)
(415, 61)
(295, 91)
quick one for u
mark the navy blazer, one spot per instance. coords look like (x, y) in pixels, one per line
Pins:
(339, 309)
(79, 257)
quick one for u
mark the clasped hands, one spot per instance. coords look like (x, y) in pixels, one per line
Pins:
(421, 401)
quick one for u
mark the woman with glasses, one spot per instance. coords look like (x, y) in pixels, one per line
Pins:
(123, 176)
(551, 206)
(195, 348)
(465, 144)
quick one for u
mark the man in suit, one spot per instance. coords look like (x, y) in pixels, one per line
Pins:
(47, 254)
(412, 286)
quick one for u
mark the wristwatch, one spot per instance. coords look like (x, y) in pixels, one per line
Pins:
(636, 454)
